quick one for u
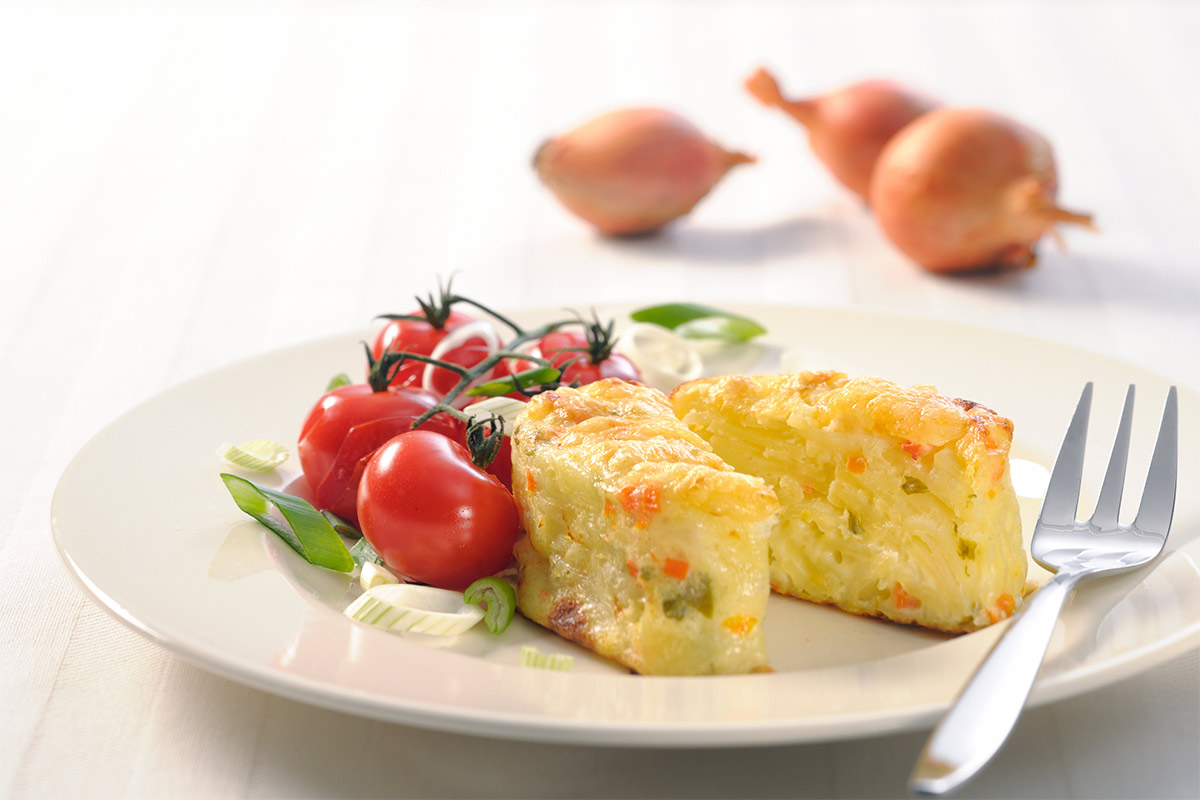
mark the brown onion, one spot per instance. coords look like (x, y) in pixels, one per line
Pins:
(967, 189)
(634, 170)
(847, 128)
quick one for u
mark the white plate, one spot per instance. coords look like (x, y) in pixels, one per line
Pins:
(146, 526)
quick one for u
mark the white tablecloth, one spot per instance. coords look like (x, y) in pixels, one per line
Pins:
(182, 186)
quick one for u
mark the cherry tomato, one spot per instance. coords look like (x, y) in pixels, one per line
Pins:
(501, 465)
(346, 426)
(432, 515)
(563, 346)
(415, 336)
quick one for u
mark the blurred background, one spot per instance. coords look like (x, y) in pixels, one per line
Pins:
(243, 149)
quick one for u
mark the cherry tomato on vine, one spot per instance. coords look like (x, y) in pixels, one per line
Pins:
(422, 336)
(345, 428)
(591, 358)
(432, 515)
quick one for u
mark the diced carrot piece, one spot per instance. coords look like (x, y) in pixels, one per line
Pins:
(642, 501)
(915, 449)
(739, 625)
(1005, 605)
(856, 464)
(903, 599)
(632, 567)
(530, 483)
(675, 568)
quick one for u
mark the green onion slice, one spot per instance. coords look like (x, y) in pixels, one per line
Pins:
(696, 321)
(500, 599)
(420, 609)
(342, 527)
(257, 455)
(363, 553)
(559, 662)
(338, 381)
(299, 524)
(726, 329)
(373, 575)
(523, 380)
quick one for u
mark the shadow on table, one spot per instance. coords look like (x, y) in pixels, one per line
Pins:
(731, 245)
(1138, 283)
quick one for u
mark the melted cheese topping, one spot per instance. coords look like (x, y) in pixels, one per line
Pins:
(895, 502)
(640, 543)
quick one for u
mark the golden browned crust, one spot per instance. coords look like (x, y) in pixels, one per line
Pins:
(896, 500)
(640, 543)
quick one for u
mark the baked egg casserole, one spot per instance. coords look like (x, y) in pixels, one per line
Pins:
(895, 502)
(639, 542)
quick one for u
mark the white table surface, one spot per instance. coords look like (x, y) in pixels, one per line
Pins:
(183, 186)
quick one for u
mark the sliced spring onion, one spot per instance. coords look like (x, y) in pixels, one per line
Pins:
(476, 329)
(363, 553)
(342, 527)
(524, 379)
(559, 662)
(258, 455)
(717, 324)
(663, 358)
(506, 408)
(499, 597)
(725, 329)
(420, 609)
(337, 381)
(299, 524)
(373, 575)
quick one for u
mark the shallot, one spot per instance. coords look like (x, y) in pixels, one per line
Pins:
(968, 189)
(634, 170)
(849, 127)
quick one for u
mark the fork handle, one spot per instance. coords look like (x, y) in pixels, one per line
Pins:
(984, 713)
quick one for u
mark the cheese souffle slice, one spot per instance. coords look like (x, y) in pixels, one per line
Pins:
(895, 502)
(639, 543)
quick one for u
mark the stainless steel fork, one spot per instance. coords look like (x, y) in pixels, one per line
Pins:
(986, 710)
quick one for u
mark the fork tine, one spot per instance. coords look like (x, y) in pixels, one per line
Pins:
(1158, 498)
(1108, 507)
(1062, 494)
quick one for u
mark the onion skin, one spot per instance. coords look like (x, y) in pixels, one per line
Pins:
(634, 170)
(847, 128)
(968, 189)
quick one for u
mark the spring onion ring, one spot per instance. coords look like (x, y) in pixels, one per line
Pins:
(404, 607)
(531, 657)
(499, 597)
(256, 455)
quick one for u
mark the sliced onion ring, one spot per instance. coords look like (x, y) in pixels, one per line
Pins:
(476, 329)
(664, 359)
(506, 408)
